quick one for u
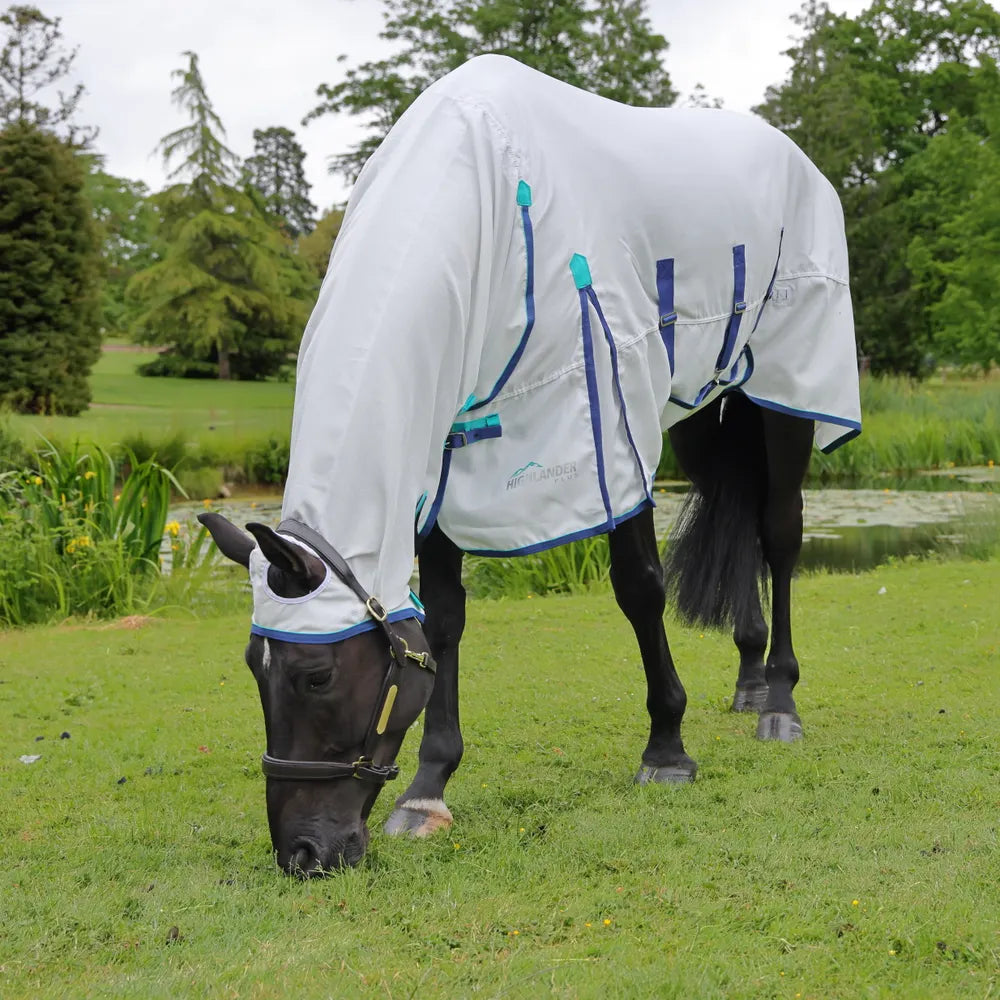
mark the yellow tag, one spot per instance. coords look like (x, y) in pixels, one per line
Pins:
(390, 700)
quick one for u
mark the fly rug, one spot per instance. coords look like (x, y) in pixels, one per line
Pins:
(531, 284)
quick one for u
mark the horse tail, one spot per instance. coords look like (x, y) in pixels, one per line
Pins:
(714, 563)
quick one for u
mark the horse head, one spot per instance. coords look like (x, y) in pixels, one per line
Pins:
(335, 713)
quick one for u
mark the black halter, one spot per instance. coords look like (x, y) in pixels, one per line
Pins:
(400, 654)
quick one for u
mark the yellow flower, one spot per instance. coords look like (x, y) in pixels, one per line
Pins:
(89, 474)
(37, 480)
(174, 548)
(207, 502)
(173, 528)
(607, 923)
(854, 902)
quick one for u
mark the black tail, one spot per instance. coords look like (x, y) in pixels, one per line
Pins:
(714, 563)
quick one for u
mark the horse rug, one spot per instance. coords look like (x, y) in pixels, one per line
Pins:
(530, 285)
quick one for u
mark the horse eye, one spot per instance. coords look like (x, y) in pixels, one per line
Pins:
(317, 681)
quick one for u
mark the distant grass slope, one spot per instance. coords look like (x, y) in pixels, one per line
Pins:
(134, 856)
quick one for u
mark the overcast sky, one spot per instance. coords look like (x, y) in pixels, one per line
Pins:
(263, 59)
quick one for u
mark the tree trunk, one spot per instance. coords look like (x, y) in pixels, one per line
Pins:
(224, 368)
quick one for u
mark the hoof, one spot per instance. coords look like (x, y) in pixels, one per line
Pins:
(783, 726)
(418, 818)
(668, 774)
(751, 698)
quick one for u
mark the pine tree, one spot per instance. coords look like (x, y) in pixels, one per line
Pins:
(49, 330)
(229, 290)
(276, 171)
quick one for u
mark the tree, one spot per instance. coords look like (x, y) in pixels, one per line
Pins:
(229, 291)
(276, 171)
(49, 333)
(606, 46)
(315, 248)
(31, 61)
(127, 222)
(865, 98)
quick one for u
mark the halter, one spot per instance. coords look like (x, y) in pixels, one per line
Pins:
(364, 768)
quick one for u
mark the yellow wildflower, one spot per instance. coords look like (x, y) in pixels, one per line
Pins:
(854, 902)
(173, 528)
(89, 474)
(37, 480)
(607, 922)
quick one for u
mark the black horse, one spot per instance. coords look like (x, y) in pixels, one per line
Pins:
(742, 517)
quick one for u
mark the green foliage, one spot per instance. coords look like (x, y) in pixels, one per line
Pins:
(276, 171)
(75, 542)
(127, 222)
(229, 288)
(880, 102)
(49, 332)
(315, 248)
(31, 62)
(605, 46)
(859, 862)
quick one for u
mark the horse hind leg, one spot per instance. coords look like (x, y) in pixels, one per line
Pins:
(750, 637)
(637, 579)
(421, 809)
(789, 444)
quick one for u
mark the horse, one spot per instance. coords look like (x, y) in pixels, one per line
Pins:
(532, 284)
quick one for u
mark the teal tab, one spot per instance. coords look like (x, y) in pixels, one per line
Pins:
(493, 420)
(467, 405)
(523, 194)
(581, 270)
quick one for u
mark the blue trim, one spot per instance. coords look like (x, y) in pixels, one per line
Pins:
(843, 439)
(677, 401)
(318, 638)
(594, 400)
(601, 529)
(824, 418)
(471, 431)
(420, 505)
(523, 191)
(592, 295)
(469, 403)
(665, 300)
(432, 515)
(770, 285)
(739, 308)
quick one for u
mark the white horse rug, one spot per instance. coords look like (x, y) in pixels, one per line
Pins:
(530, 285)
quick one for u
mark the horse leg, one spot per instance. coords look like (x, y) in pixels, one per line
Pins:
(421, 810)
(750, 636)
(788, 441)
(637, 578)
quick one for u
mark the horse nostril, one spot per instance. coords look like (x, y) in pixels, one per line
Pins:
(304, 861)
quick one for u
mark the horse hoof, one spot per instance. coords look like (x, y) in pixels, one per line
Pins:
(783, 726)
(418, 818)
(667, 774)
(751, 698)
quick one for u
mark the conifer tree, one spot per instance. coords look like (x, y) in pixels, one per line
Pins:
(276, 171)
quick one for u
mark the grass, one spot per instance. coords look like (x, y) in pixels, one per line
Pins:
(134, 856)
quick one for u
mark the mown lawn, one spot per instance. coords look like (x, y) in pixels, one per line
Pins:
(863, 862)
(126, 404)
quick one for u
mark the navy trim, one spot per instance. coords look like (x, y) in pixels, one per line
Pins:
(601, 529)
(592, 295)
(825, 418)
(317, 638)
(843, 439)
(739, 308)
(432, 514)
(594, 399)
(770, 285)
(665, 299)
(529, 302)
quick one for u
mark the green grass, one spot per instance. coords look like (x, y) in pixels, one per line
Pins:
(859, 863)
(220, 415)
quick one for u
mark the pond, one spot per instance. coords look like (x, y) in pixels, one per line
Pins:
(845, 529)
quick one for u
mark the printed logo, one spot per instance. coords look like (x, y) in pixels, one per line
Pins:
(535, 473)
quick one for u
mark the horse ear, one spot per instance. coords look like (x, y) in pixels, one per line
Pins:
(233, 543)
(294, 572)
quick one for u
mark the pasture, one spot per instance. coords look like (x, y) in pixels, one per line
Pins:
(862, 862)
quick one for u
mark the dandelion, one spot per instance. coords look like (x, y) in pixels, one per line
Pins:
(607, 922)
(854, 902)
(515, 933)
(458, 846)
(587, 924)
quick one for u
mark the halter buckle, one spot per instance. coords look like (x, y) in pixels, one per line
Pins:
(376, 610)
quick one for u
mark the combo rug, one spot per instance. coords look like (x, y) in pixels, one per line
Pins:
(531, 284)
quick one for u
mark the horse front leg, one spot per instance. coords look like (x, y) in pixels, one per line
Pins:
(789, 444)
(637, 578)
(421, 810)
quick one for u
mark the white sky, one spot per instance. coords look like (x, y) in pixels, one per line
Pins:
(263, 59)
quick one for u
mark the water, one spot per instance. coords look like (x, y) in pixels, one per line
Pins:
(845, 529)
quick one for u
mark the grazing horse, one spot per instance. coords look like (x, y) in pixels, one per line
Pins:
(531, 284)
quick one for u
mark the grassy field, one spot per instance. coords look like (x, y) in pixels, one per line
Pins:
(863, 862)
(204, 411)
